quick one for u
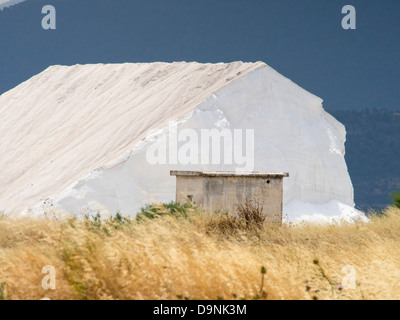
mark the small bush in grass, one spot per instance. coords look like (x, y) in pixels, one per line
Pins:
(251, 212)
(2, 291)
(396, 199)
(152, 211)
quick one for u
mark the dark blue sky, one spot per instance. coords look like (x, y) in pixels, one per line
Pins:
(302, 39)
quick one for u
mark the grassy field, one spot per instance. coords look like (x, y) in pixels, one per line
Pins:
(181, 253)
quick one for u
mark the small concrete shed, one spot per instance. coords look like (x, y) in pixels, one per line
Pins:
(222, 190)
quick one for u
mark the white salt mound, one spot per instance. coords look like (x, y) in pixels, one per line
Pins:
(74, 139)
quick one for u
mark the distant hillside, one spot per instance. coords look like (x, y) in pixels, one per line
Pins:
(372, 154)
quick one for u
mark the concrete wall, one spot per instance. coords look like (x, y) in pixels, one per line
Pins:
(223, 192)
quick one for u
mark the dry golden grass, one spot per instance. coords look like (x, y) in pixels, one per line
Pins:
(198, 256)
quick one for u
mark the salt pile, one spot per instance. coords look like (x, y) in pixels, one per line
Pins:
(81, 138)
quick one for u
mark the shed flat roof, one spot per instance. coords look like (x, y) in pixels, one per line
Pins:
(229, 174)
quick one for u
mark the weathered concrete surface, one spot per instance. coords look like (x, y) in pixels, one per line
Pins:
(222, 190)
